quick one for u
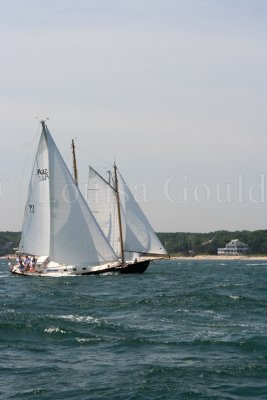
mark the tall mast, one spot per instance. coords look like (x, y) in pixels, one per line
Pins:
(119, 211)
(44, 128)
(109, 177)
(74, 163)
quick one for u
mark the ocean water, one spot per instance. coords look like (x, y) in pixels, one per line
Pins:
(183, 330)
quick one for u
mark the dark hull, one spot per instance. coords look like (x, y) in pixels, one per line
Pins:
(101, 272)
(136, 268)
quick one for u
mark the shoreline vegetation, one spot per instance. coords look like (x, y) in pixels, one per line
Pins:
(182, 245)
(215, 257)
(203, 257)
(206, 244)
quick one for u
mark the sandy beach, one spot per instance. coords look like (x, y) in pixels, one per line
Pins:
(214, 257)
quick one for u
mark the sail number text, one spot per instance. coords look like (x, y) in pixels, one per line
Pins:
(42, 174)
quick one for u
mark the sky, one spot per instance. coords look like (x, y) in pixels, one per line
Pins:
(173, 90)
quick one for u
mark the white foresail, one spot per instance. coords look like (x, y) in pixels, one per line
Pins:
(74, 237)
(137, 234)
(35, 236)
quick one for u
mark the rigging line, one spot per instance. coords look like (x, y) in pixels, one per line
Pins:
(101, 177)
(93, 155)
(30, 152)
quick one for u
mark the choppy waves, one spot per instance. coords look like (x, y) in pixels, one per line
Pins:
(193, 330)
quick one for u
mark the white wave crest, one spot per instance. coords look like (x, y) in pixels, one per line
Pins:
(78, 318)
(54, 329)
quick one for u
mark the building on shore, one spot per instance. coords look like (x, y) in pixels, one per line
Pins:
(234, 247)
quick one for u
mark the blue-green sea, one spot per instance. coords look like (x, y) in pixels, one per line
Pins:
(183, 330)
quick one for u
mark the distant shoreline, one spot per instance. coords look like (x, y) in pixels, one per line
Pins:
(198, 257)
(214, 257)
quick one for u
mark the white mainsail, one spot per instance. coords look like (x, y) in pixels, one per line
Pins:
(58, 222)
(138, 236)
(102, 202)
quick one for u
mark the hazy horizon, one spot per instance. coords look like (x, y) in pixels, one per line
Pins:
(175, 91)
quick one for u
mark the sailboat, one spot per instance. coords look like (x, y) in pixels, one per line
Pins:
(122, 221)
(59, 229)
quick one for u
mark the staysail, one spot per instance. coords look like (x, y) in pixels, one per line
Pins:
(58, 222)
(138, 236)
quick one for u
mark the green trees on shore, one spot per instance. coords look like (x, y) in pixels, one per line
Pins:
(184, 243)
(8, 241)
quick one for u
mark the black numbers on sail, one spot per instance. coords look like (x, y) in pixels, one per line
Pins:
(42, 174)
(31, 207)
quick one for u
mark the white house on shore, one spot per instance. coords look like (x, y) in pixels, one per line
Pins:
(235, 247)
